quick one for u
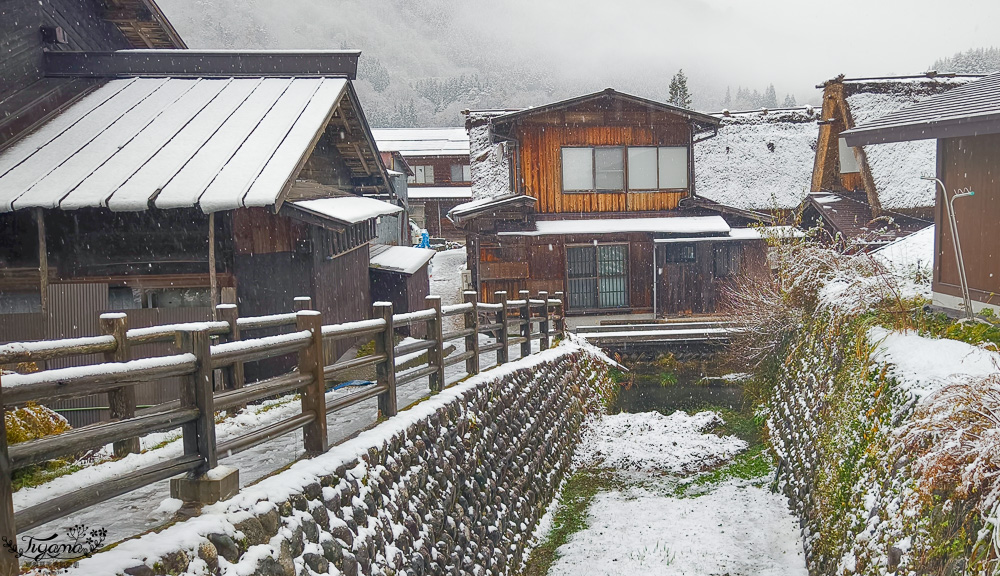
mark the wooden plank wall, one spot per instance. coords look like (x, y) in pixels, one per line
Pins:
(540, 165)
(970, 163)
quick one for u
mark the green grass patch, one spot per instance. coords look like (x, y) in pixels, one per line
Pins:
(570, 517)
(40, 474)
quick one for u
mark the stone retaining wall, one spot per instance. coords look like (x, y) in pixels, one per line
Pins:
(454, 485)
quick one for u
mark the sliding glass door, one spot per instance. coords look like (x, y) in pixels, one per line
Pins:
(597, 276)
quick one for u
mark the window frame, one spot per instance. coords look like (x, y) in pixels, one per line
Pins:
(626, 187)
(626, 275)
(675, 248)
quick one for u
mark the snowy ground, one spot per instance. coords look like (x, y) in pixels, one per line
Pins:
(151, 506)
(736, 527)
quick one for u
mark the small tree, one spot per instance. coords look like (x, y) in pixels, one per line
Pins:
(770, 99)
(789, 101)
(727, 102)
(679, 95)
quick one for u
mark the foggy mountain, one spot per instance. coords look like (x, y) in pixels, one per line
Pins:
(424, 62)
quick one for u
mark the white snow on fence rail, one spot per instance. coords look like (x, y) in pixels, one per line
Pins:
(153, 331)
(122, 369)
(336, 330)
(16, 348)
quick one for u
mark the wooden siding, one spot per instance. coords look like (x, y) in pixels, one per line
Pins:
(540, 165)
(442, 169)
(970, 162)
(436, 218)
(407, 293)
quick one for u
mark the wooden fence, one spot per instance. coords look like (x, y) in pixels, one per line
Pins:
(210, 348)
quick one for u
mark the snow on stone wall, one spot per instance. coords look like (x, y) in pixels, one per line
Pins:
(490, 166)
(455, 484)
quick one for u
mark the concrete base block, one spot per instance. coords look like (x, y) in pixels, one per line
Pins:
(219, 483)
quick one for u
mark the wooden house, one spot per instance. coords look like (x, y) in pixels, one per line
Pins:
(594, 197)
(439, 174)
(869, 196)
(962, 127)
(161, 182)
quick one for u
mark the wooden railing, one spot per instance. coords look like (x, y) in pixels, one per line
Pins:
(206, 347)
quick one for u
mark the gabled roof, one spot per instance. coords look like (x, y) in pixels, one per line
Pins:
(453, 141)
(705, 120)
(167, 142)
(967, 110)
(142, 23)
(894, 169)
(758, 160)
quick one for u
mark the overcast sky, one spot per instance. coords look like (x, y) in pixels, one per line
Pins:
(632, 44)
(796, 43)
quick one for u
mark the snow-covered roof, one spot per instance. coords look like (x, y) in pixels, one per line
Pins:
(669, 225)
(400, 259)
(431, 192)
(348, 209)
(759, 160)
(452, 141)
(896, 168)
(212, 143)
(970, 109)
(489, 203)
(738, 234)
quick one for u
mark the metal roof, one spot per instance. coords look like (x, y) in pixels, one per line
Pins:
(398, 259)
(347, 209)
(136, 143)
(423, 141)
(967, 110)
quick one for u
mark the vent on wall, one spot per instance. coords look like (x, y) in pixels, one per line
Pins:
(53, 35)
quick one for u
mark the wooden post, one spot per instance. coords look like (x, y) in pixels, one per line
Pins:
(472, 341)
(435, 332)
(197, 392)
(230, 314)
(314, 435)
(43, 261)
(213, 280)
(526, 326)
(543, 340)
(8, 531)
(385, 371)
(504, 338)
(120, 400)
(302, 303)
(561, 314)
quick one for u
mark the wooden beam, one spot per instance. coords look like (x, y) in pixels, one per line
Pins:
(43, 261)
(213, 281)
(361, 157)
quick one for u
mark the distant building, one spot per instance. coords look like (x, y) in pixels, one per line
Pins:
(439, 176)
(598, 197)
(962, 126)
(868, 196)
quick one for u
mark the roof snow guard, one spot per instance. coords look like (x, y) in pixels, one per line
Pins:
(967, 110)
(137, 143)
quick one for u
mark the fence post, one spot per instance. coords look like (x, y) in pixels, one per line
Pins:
(199, 436)
(302, 303)
(561, 314)
(314, 434)
(385, 371)
(435, 331)
(472, 341)
(504, 337)
(120, 400)
(8, 531)
(229, 314)
(526, 326)
(543, 328)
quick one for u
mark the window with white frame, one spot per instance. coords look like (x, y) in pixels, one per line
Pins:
(422, 175)
(461, 173)
(616, 168)
(848, 162)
